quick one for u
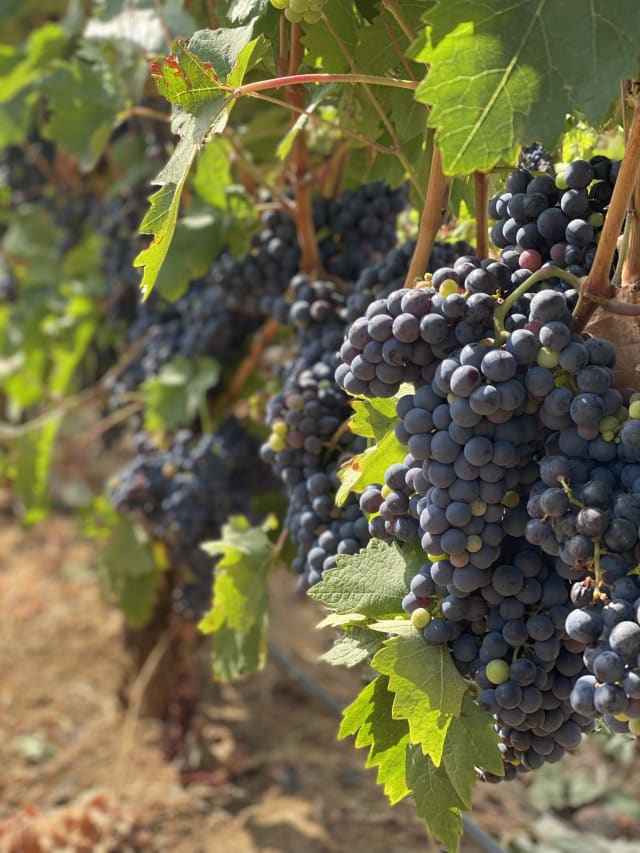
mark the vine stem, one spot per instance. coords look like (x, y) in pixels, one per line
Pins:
(631, 256)
(612, 306)
(260, 342)
(293, 79)
(431, 219)
(481, 187)
(597, 283)
(392, 8)
(540, 275)
(366, 87)
(310, 260)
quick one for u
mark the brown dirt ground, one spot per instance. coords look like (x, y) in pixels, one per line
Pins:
(78, 772)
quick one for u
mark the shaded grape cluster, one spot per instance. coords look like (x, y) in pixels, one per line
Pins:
(183, 493)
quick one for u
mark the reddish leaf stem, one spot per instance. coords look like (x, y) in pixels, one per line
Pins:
(293, 79)
(435, 208)
(597, 283)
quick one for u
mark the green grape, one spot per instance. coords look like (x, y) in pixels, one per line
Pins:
(634, 409)
(420, 618)
(547, 358)
(449, 287)
(292, 16)
(497, 671)
(301, 7)
(312, 17)
(280, 4)
(474, 544)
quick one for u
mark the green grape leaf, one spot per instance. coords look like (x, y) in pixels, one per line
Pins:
(441, 792)
(174, 396)
(340, 620)
(84, 109)
(436, 799)
(400, 627)
(238, 11)
(238, 618)
(146, 23)
(198, 239)
(352, 648)
(212, 175)
(130, 572)
(428, 689)
(505, 74)
(369, 718)
(21, 69)
(369, 466)
(35, 449)
(372, 582)
(198, 80)
(373, 418)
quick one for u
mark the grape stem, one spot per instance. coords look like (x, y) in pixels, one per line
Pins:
(435, 208)
(321, 77)
(613, 306)
(542, 274)
(597, 282)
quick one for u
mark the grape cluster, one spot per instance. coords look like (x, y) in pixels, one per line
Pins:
(377, 281)
(307, 442)
(515, 437)
(296, 11)
(182, 495)
(557, 219)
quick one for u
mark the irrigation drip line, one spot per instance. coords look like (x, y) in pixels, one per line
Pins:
(471, 830)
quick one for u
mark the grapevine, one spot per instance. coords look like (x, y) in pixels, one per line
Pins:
(334, 324)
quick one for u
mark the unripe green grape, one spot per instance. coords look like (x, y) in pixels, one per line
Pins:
(634, 727)
(292, 16)
(449, 287)
(299, 6)
(420, 618)
(547, 358)
(277, 443)
(634, 409)
(474, 544)
(478, 507)
(497, 671)
(511, 499)
(312, 17)
(316, 5)
(280, 4)
(435, 558)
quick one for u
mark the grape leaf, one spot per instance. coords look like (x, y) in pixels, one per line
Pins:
(372, 582)
(352, 648)
(369, 466)
(130, 571)
(441, 792)
(320, 46)
(191, 79)
(83, 130)
(373, 418)
(369, 718)
(198, 239)
(505, 74)
(146, 23)
(436, 799)
(428, 689)
(239, 616)
(173, 396)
